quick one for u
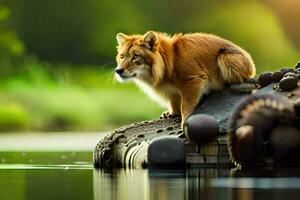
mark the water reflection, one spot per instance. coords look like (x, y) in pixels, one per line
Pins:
(192, 184)
(138, 184)
(60, 182)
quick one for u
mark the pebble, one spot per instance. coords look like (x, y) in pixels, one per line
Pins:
(277, 76)
(265, 79)
(201, 128)
(288, 83)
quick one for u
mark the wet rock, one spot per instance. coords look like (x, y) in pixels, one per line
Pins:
(288, 83)
(265, 79)
(277, 76)
(201, 129)
(285, 142)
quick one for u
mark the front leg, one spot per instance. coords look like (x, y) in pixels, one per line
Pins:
(168, 114)
(174, 107)
(192, 91)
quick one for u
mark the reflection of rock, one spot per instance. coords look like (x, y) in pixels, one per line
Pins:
(139, 184)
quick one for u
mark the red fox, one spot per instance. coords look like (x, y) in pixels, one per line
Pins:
(177, 70)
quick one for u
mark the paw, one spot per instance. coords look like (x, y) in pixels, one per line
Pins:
(168, 114)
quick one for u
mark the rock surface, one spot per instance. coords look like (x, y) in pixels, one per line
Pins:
(128, 146)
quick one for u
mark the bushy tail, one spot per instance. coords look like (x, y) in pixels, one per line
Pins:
(235, 65)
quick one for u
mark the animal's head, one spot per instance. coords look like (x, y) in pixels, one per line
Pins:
(138, 57)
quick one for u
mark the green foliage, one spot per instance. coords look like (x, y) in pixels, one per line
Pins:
(11, 47)
(55, 97)
(13, 117)
(10, 44)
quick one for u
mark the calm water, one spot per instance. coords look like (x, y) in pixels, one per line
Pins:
(70, 175)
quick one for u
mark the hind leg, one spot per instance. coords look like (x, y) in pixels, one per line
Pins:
(235, 65)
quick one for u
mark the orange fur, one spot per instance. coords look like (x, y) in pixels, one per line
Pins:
(178, 70)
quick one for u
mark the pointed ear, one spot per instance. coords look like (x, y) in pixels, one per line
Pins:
(121, 38)
(150, 40)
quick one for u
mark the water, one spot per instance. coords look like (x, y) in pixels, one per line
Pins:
(36, 171)
(36, 180)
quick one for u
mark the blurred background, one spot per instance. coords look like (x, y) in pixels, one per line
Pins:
(57, 57)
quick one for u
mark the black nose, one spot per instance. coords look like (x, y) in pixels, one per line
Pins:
(119, 71)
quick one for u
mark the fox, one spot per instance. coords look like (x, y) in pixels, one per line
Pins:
(176, 71)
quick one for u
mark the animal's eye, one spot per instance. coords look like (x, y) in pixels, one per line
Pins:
(121, 56)
(135, 57)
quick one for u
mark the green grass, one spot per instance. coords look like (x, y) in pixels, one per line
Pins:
(86, 98)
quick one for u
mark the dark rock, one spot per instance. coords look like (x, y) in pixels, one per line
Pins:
(221, 110)
(265, 79)
(285, 141)
(166, 152)
(288, 83)
(277, 76)
(125, 147)
(201, 129)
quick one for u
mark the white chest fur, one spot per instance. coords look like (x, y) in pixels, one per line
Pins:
(159, 94)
